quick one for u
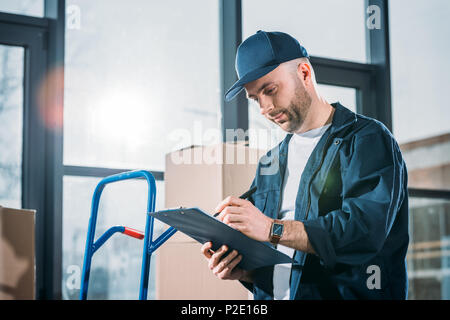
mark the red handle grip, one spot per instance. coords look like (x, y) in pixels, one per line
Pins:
(133, 233)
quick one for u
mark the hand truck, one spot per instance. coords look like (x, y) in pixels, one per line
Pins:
(150, 246)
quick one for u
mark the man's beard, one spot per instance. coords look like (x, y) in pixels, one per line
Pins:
(297, 110)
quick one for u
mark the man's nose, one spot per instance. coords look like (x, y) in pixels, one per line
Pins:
(265, 106)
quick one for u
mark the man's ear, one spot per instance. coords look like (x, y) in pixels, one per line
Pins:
(304, 72)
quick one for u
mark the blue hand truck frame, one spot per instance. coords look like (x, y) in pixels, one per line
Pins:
(150, 246)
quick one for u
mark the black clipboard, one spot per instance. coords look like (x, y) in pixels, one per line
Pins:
(203, 227)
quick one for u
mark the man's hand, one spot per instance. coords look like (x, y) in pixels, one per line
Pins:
(224, 268)
(242, 215)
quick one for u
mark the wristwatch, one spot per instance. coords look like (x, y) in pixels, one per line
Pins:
(276, 231)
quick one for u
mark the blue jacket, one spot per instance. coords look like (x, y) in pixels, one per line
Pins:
(353, 201)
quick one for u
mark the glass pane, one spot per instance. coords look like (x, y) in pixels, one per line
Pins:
(429, 251)
(343, 95)
(326, 28)
(420, 71)
(116, 266)
(141, 88)
(24, 7)
(11, 125)
(263, 134)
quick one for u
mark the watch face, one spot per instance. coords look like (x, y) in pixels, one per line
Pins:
(278, 229)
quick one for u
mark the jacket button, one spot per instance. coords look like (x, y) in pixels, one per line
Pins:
(336, 142)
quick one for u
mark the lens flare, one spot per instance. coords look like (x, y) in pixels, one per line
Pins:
(50, 99)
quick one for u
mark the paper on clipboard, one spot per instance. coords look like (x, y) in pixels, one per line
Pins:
(203, 227)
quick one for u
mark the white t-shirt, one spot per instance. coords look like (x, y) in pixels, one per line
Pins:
(300, 148)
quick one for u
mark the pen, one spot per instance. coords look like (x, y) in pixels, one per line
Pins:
(245, 195)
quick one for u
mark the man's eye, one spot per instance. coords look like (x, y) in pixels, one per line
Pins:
(270, 91)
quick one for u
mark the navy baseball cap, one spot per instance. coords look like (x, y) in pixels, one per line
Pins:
(261, 53)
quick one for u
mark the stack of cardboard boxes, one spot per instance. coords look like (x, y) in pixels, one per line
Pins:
(201, 176)
(17, 255)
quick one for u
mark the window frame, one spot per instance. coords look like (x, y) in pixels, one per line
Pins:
(31, 33)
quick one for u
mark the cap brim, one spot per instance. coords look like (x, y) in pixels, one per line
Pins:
(249, 77)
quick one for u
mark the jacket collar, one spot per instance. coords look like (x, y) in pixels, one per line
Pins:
(342, 117)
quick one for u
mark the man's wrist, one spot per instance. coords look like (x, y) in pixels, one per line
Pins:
(296, 237)
(271, 221)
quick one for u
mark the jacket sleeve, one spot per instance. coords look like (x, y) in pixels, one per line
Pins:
(373, 183)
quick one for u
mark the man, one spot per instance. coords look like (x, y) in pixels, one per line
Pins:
(338, 203)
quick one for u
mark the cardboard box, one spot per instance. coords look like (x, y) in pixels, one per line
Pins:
(201, 176)
(17, 254)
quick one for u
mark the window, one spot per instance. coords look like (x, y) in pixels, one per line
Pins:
(135, 73)
(326, 28)
(419, 52)
(420, 73)
(429, 252)
(343, 95)
(25, 7)
(11, 119)
(129, 85)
